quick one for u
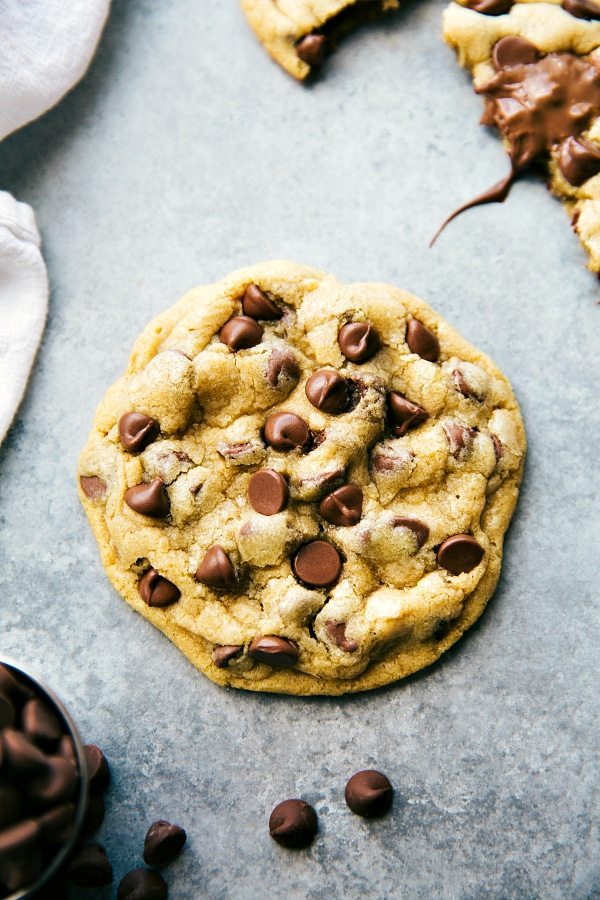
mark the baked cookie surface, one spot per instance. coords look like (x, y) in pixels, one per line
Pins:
(304, 484)
(299, 33)
(537, 65)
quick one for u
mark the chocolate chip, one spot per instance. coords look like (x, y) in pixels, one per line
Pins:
(282, 367)
(403, 414)
(311, 49)
(66, 748)
(387, 458)
(257, 305)
(56, 824)
(578, 160)
(98, 769)
(90, 867)
(163, 843)
(459, 553)
(328, 391)
(7, 712)
(20, 756)
(278, 652)
(222, 655)
(464, 387)
(216, 570)
(56, 784)
(137, 430)
(13, 687)
(422, 341)
(498, 448)
(155, 590)
(92, 486)
(491, 7)
(317, 564)
(582, 9)
(337, 633)
(40, 724)
(21, 856)
(460, 438)
(358, 341)
(293, 824)
(94, 813)
(142, 884)
(342, 507)
(268, 492)
(149, 499)
(286, 431)
(369, 793)
(514, 50)
(419, 529)
(10, 803)
(240, 333)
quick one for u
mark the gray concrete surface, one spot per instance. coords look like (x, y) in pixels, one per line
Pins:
(186, 153)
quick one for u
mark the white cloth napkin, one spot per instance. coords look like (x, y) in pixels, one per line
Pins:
(45, 48)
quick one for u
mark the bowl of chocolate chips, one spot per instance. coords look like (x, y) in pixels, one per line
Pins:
(43, 782)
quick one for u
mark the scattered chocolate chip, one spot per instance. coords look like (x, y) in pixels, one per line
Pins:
(90, 867)
(216, 570)
(358, 341)
(459, 553)
(94, 813)
(317, 564)
(163, 843)
(327, 391)
(222, 656)
(40, 724)
(137, 430)
(491, 7)
(20, 756)
(311, 49)
(293, 824)
(337, 633)
(403, 414)
(157, 591)
(582, 9)
(282, 367)
(422, 341)
(56, 824)
(56, 784)
(268, 492)
(97, 768)
(92, 486)
(369, 794)
(578, 160)
(240, 333)
(419, 529)
(7, 712)
(514, 50)
(286, 431)
(343, 506)
(257, 305)
(149, 499)
(142, 884)
(498, 448)
(460, 438)
(278, 652)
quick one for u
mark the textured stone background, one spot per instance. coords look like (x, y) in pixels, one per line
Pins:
(184, 154)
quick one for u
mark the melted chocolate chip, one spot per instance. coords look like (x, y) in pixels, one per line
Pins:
(278, 652)
(460, 438)
(241, 333)
(293, 824)
(462, 385)
(286, 431)
(403, 414)
(578, 160)
(491, 7)
(90, 867)
(419, 529)
(97, 768)
(311, 49)
(358, 341)
(498, 448)
(157, 591)
(582, 9)
(327, 391)
(222, 656)
(142, 884)
(257, 305)
(216, 570)
(40, 724)
(459, 553)
(343, 506)
(268, 492)
(422, 341)
(369, 793)
(137, 430)
(163, 843)
(317, 564)
(149, 499)
(282, 367)
(514, 50)
(93, 487)
(337, 633)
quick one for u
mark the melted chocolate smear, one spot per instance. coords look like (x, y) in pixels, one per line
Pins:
(496, 194)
